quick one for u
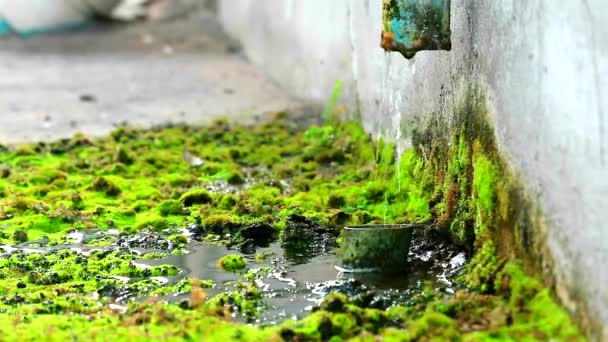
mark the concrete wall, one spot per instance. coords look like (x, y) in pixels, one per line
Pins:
(541, 62)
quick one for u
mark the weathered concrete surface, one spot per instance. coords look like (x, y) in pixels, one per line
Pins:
(146, 74)
(543, 64)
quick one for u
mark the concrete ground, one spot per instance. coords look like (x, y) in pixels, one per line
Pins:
(145, 74)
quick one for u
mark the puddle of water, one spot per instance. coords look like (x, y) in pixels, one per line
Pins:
(297, 281)
(295, 285)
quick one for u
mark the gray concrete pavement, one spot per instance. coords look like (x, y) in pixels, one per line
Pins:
(145, 74)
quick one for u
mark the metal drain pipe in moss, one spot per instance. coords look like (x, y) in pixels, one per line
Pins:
(232, 263)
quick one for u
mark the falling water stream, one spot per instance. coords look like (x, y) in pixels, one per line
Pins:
(390, 105)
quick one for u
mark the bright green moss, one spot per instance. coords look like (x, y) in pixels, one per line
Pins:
(177, 180)
(122, 156)
(154, 323)
(235, 178)
(40, 223)
(246, 299)
(102, 184)
(195, 196)
(220, 223)
(24, 150)
(178, 240)
(232, 263)
(482, 269)
(157, 223)
(433, 324)
(228, 202)
(20, 236)
(143, 192)
(46, 176)
(263, 256)
(535, 314)
(170, 207)
(334, 302)
(140, 206)
(484, 182)
(251, 179)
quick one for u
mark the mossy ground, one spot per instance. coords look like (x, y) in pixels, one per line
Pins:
(246, 186)
(232, 263)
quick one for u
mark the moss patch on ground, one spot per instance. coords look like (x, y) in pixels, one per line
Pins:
(232, 263)
(246, 186)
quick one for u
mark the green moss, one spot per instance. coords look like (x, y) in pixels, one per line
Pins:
(195, 196)
(24, 150)
(220, 223)
(232, 263)
(122, 156)
(535, 314)
(433, 324)
(152, 322)
(331, 176)
(22, 204)
(484, 182)
(334, 302)
(235, 178)
(178, 240)
(156, 223)
(246, 300)
(102, 184)
(536, 307)
(170, 207)
(263, 256)
(228, 202)
(140, 206)
(144, 192)
(20, 236)
(482, 269)
(46, 176)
